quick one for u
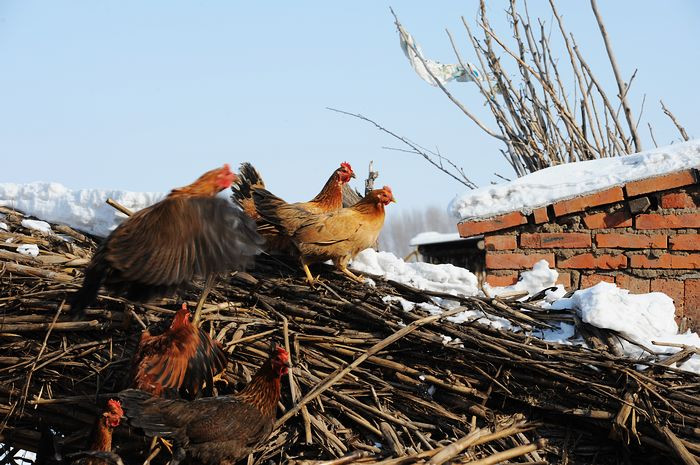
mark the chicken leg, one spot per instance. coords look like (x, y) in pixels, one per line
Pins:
(351, 275)
(309, 277)
(202, 298)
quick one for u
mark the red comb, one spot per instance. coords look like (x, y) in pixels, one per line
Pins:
(346, 165)
(387, 188)
(113, 404)
(281, 353)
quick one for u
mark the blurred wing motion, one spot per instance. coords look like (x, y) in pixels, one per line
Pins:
(179, 361)
(189, 233)
(329, 199)
(336, 236)
(216, 429)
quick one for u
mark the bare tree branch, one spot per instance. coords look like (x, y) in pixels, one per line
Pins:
(416, 149)
(680, 128)
(620, 85)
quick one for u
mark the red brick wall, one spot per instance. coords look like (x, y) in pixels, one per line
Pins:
(655, 249)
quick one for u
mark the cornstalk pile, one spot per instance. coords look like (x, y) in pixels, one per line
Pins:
(371, 383)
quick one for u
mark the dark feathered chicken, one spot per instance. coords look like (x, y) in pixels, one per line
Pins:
(153, 252)
(214, 430)
(179, 361)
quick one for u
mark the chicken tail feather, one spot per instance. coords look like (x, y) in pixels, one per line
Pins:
(248, 177)
(86, 295)
(147, 412)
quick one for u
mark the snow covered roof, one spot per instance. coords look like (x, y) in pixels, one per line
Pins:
(562, 182)
(432, 237)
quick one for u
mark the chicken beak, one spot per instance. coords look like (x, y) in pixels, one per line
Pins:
(352, 175)
(393, 200)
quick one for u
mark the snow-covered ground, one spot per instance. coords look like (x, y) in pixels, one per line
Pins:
(566, 181)
(83, 209)
(643, 318)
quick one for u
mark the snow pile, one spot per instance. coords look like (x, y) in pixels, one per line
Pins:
(532, 282)
(569, 180)
(432, 237)
(28, 249)
(642, 318)
(83, 209)
(37, 225)
(442, 278)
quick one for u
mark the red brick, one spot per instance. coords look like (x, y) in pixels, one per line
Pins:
(540, 215)
(500, 242)
(673, 288)
(555, 240)
(473, 228)
(589, 261)
(516, 261)
(577, 204)
(589, 280)
(660, 183)
(684, 242)
(502, 280)
(633, 284)
(680, 262)
(620, 218)
(631, 241)
(655, 221)
(692, 300)
(564, 279)
(686, 262)
(677, 200)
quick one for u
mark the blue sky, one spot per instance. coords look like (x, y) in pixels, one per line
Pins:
(147, 95)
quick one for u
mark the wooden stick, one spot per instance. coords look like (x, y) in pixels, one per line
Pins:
(335, 377)
(113, 203)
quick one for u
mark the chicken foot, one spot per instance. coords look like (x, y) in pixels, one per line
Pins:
(351, 275)
(205, 293)
(309, 277)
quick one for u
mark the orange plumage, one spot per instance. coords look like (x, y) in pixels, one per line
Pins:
(156, 250)
(214, 430)
(101, 440)
(336, 236)
(329, 199)
(179, 361)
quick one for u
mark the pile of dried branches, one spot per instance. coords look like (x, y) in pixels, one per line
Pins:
(371, 383)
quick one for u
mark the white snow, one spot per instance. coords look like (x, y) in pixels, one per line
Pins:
(37, 225)
(442, 278)
(532, 282)
(572, 179)
(83, 209)
(28, 249)
(642, 318)
(4, 226)
(432, 237)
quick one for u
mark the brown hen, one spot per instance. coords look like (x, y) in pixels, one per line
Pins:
(214, 430)
(179, 361)
(158, 249)
(329, 199)
(336, 236)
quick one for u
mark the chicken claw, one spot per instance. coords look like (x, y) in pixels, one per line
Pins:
(353, 276)
(309, 277)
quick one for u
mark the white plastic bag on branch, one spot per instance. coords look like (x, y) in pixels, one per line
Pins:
(443, 72)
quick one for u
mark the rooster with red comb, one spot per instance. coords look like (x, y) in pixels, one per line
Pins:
(191, 232)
